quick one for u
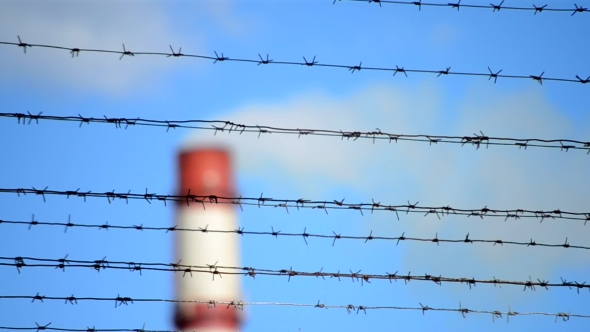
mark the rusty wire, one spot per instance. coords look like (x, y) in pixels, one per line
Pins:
(277, 233)
(490, 74)
(476, 140)
(301, 203)
(21, 262)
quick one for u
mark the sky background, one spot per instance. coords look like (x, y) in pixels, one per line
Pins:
(102, 158)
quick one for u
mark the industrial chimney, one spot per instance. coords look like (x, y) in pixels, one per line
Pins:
(206, 170)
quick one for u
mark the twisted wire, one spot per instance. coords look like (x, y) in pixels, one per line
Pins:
(494, 7)
(305, 235)
(491, 74)
(239, 305)
(308, 204)
(222, 126)
(20, 262)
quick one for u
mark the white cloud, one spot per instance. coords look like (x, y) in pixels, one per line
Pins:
(499, 177)
(141, 26)
(225, 14)
(328, 158)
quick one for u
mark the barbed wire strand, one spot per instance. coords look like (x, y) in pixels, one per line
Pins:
(307, 204)
(491, 74)
(458, 5)
(304, 234)
(239, 305)
(216, 126)
(102, 264)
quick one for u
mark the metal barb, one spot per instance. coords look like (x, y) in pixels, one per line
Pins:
(355, 68)
(263, 61)
(305, 235)
(38, 297)
(23, 45)
(336, 237)
(424, 308)
(538, 78)
(444, 72)
(42, 327)
(539, 9)
(419, 4)
(400, 70)
(455, 5)
(497, 7)
(33, 222)
(219, 58)
(126, 52)
(494, 75)
(370, 237)
(175, 54)
(579, 9)
(308, 63)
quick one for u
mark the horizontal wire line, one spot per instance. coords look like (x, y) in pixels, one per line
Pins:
(213, 269)
(313, 63)
(304, 235)
(239, 305)
(223, 126)
(494, 7)
(308, 204)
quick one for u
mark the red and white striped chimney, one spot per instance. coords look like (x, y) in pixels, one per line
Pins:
(207, 171)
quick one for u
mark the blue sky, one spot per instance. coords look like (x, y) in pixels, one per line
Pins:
(102, 158)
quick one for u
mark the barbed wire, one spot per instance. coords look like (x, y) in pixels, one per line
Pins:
(217, 270)
(491, 74)
(301, 203)
(476, 140)
(458, 5)
(239, 305)
(305, 235)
